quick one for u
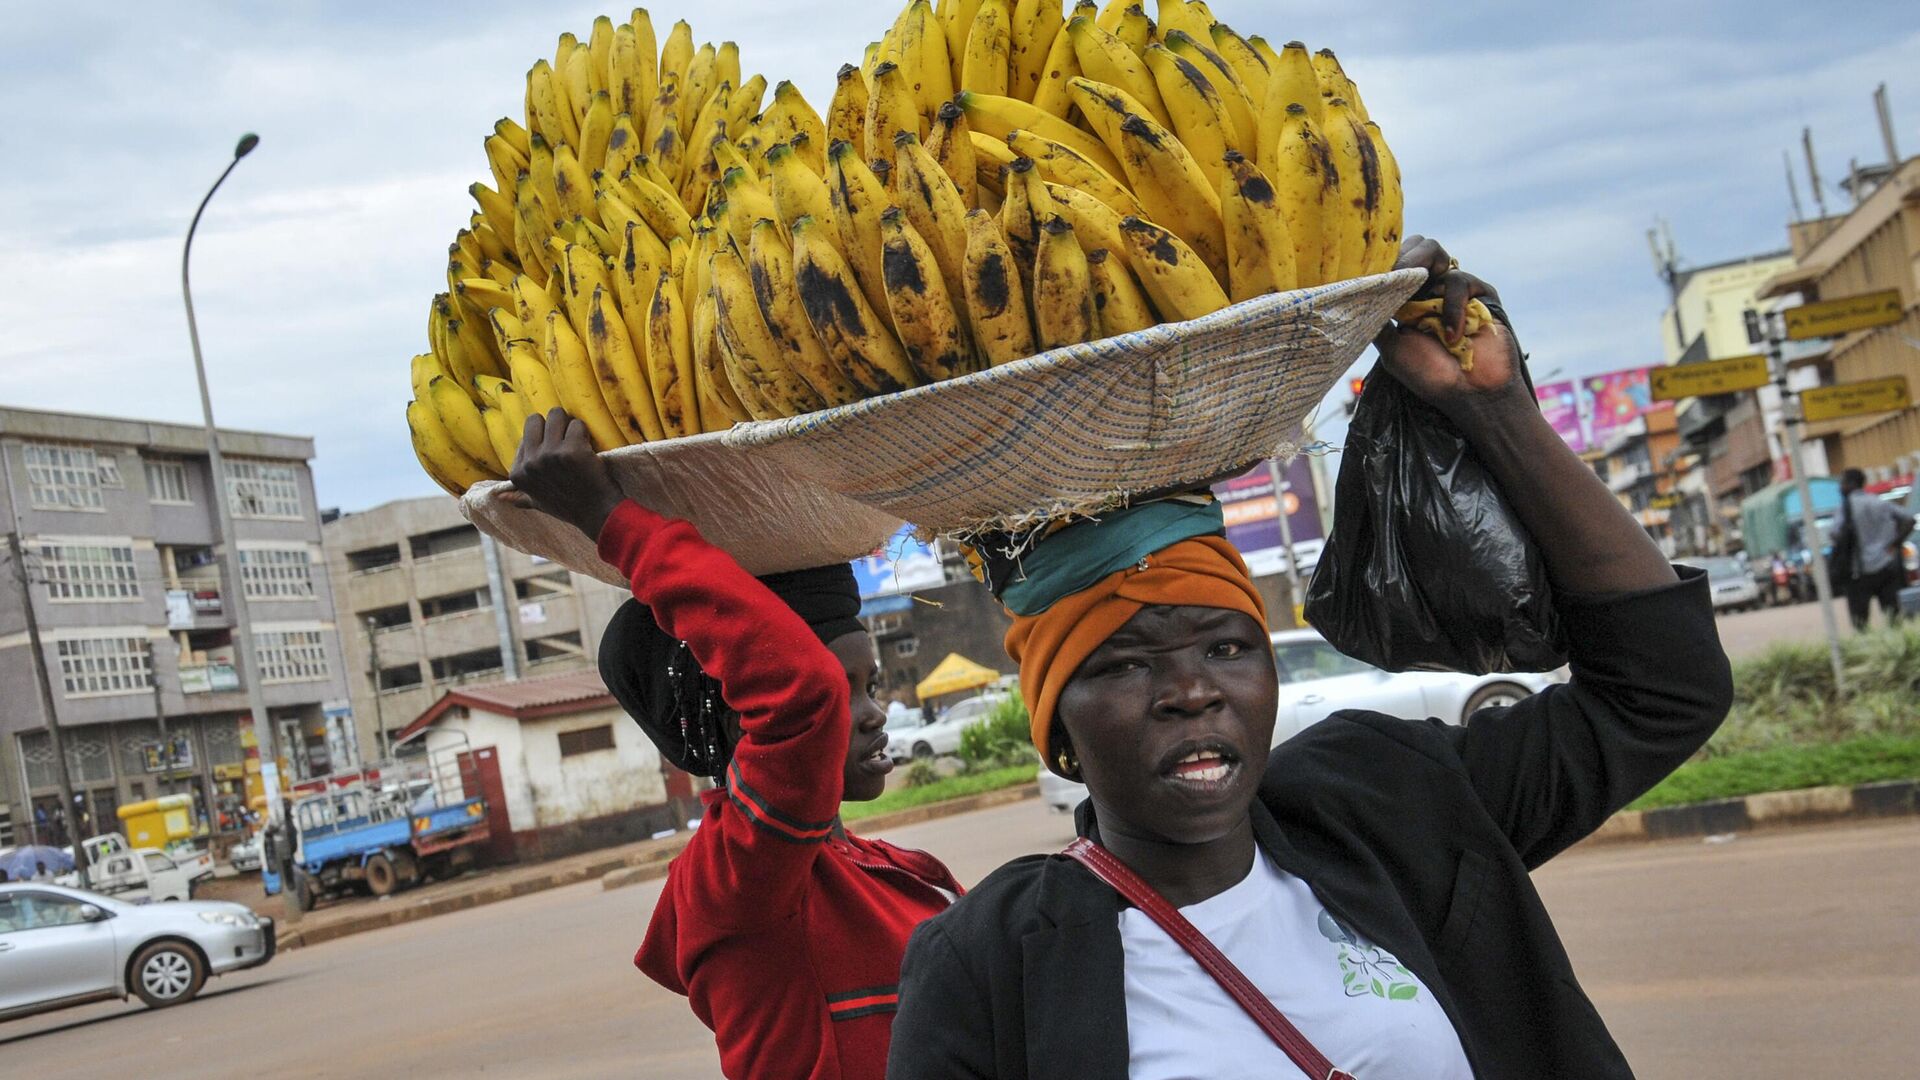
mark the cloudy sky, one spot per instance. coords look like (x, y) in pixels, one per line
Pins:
(1539, 141)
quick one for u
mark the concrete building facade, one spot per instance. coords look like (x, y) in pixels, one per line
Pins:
(425, 604)
(123, 566)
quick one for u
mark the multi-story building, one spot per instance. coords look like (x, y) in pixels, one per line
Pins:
(420, 610)
(1873, 247)
(121, 540)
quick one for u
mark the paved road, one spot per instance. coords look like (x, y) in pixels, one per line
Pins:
(1751, 633)
(1791, 954)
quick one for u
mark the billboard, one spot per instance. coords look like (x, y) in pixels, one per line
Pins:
(902, 565)
(1560, 404)
(1247, 502)
(1619, 398)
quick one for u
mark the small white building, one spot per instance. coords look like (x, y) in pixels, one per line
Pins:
(561, 765)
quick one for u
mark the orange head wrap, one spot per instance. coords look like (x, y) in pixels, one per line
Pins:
(1050, 646)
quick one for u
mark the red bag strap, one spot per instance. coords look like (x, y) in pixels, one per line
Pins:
(1237, 985)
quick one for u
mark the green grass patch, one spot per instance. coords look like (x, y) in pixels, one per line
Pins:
(953, 787)
(1787, 768)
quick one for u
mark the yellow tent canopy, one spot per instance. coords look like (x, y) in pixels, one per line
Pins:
(955, 673)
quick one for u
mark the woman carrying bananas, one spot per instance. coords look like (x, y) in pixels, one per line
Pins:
(1368, 879)
(784, 931)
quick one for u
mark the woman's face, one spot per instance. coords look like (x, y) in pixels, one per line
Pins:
(867, 763)
(1171, 719)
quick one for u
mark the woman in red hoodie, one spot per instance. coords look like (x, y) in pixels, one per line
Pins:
(784, 931)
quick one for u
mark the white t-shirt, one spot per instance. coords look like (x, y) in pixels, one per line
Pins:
(1368, 1014)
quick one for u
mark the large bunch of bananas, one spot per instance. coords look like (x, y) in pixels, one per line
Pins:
(662, 257)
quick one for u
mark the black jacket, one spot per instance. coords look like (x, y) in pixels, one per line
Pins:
(1417, 834)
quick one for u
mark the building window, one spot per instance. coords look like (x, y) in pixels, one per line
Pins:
(906, 647)
(277, 573)
(88, 571)
(288, 656)
(103, 665)
(586, 740)
(63, 477)
(167, 482)
(263, 489)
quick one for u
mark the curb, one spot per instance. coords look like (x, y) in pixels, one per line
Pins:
(1806, 806)
(913, 815)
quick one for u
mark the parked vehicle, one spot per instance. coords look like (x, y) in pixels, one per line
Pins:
(1770, 519)
(61, 946)
(1730, 580)
(928, 741)
(1317, 680)
(245, 855)
(140, 875)
(386, 827)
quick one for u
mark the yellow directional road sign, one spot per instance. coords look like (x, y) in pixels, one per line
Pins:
(1712, 377)
(1855, 399)
(1831, 318)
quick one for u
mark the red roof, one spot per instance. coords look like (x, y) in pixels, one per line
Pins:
(523, 699)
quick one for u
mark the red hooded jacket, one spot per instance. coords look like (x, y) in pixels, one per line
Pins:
(785, 935)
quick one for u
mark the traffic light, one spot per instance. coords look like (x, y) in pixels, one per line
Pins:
(1356, 385)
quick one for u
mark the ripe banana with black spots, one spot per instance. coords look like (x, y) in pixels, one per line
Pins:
(1118, 302)
(995, 294)
(923, 311)
(776, 293)
(855, 336)
(1260, 256)
(1062, 288)
(1180, 284)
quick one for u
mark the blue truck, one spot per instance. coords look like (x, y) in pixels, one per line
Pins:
(385, 827)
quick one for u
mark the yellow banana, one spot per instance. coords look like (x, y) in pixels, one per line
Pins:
(1181, 285)
(1192, 19)
(531, 227)
(797, 190)
(995, 295)
(746, 204)
(951, 144)
(798, 117)
(1293, 83)
(1118, 304)
(991, 157)
(514, 134)
(1131, 26)
(1062, 288)
(1107, 59)
(483, 293)
(1170, 184)
(501, 394)
(547, 114)
(738, 367)
(997, 116)
(446, 463)
(747, 107)
(622, 375)
(1249, 67)
(1331, 77)
(676, 54)
(571, 185)
(1305, 184)
(493, 242)
(576, 384)
(531, 302)
(776, 294)
(703, 78)
(505, 163)
(670, 360)
(956, 22)
(663, 211)
(1199, 117)
(583, 272)
(630, 72)
(507, 329)
(858, 197)
(1219, 73)
(727, 63)
(578, 78)
(426, 367)
(1035, 24)
(752, 348)
(987, 65)
(461, 419)
(930, 328)
(1383, 237)
(1061, 65)
(1061, 164)
(502, 436)
(891, 109)
(1344, 251)
(1259, 251)
(483, 356)
(847, 112)
(720, 405)
(1108, 16)
(1027, 206)
(924, 59)
(531, 379)
(854, 335)
(1094, 222)
(595, 132)
(933, 205)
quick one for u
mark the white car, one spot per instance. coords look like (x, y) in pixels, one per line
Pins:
(1731, 581)
(61, 947)
(924, 742)
(1317, 680)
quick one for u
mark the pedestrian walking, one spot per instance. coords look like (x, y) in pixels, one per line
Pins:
(1359, 897)
(1871, 533)
(784, 930)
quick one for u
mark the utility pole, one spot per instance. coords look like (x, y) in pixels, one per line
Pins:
(1809, 525)
(1813, 171)
(1286, 534)
(373, 677)
(41, 680)
(1885, 114)
(160, 716)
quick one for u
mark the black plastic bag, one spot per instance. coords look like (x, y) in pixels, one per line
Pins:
(1427, 567)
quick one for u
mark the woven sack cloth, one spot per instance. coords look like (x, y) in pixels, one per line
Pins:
(1075, 431)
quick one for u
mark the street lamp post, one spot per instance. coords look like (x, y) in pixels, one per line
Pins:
(229, 555)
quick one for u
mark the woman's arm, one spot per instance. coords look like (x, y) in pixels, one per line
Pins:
(791, 693)
(1650, 680)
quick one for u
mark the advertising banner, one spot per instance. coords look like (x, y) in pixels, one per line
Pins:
(903, 565)
(1248, 504)
(1619, 398)
(1560, 404)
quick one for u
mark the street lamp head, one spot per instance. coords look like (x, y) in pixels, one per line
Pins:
(247, 143)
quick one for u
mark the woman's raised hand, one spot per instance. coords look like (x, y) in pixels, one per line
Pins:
(1422, 363)
(557, 473)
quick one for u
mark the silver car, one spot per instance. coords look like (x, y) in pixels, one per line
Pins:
(1317, 680)
(61, 946)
